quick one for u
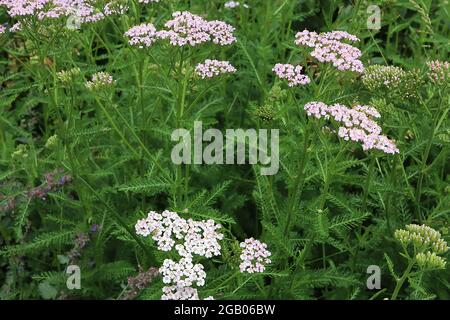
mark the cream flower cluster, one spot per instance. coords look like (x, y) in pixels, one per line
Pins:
(378, 77)
(188, 238)
(100, 80)
(427, 242)
(212, 68)
(234, 4)
(422, 237)
(358, 124)
(254, 256)
(328, 47)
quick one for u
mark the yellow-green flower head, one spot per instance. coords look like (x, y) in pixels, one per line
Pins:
(423, 238)
(67, 76)
(430, 261)
(52, 142)
(378, 77)
(99, 81)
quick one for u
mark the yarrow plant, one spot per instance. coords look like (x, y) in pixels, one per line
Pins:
(358, 124)
(438, 71)
(212, 68)
(142, 36)
(254, 256)
(184, 29)
(189, 238)
(99, 81)
(292, 74)
(427, 243)
(328, 47)
(103, 89)
(234, 4)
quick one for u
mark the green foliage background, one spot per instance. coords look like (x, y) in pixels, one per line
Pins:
(326, 216)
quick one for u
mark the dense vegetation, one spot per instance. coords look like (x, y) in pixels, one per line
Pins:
(86, 118)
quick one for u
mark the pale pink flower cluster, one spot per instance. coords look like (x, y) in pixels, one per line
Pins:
(358, 124)
(99, 81)
(254, 256)
(185, 29)
(2, 28)
(143, 35)
(212, 68)
(84, 10)
(292, 74)
(148, 1)
(189, 29)
(188, 237)
(328, 47)
(438, 71)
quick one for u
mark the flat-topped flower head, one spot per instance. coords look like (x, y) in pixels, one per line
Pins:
(67, 76)
(357, 124)
(422, 237)
(85, 10)
(430, 261)
(189, 29)
(213, 68)
(380, 77)
(100, 80)
(188, 237)
(181, 293)
(254, 256)
(143, 35)
(328, 47)
(291, 73)
(183, 273)
(3, 28)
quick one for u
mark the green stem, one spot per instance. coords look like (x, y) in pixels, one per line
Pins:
(298, 183)
(402, 279)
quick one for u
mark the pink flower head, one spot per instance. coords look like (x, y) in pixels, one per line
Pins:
(213, 68)
(143, 35)
(357, 124)
(189, 29)
(438, 71)
(254, 256)
(328, 47)
(291, 73)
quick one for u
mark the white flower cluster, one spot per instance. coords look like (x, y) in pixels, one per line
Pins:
(99, 81)
(189, 238)
(183, 273)
(234, 4)
(254, 256)
(197, 237)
